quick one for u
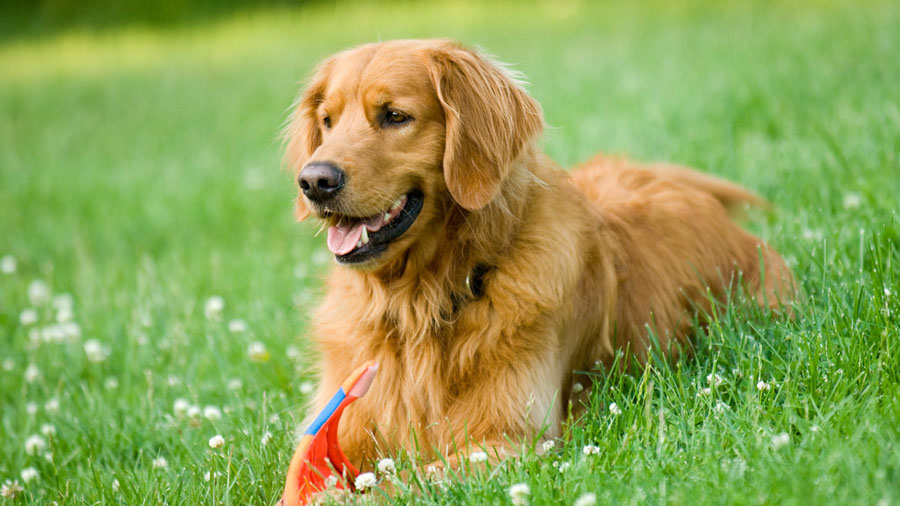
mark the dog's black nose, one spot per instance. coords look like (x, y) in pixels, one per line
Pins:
(320, 181)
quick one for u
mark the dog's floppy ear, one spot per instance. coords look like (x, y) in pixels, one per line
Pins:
(489, 118)
(302, 135)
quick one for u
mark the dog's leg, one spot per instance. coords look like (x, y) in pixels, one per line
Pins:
(506, 404)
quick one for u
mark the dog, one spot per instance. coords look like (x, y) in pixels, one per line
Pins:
(479, 275)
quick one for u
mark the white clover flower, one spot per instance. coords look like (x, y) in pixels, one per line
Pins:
(32, 373)
(307, 387)
(365, 480)
(64, 315)
(257, 352)
(193, 411)
(762, 386)
(274, 419)
(216, 441)
(160, 463)
(111, 383)
(737, 466)
(434, 473)
(212, 413)
(237, 326)
(478, 457)
(704, 391)
(31, 408)
(266, 438)
(887, 292)
(780, 440)
(63, 301)
(52, 405)
(714, 379)
(386, 466)
(615, 409)
(588, 499)
(8, 264)
(591, 450)
(52, 334)
(29, 474)
(181, 406)
(173, 380)
(548, 445)
(234, 384)
(213, 307)
(331, 481)
(48, 457)
(28, 316)
(519, 493)
(811, 235)
(9, 364)
(38, 292)
(70, 330)
(48, 430)
(814, 428)
(35, 444)
(564, 466)
(852, 200)
(577, 388)
(292, 352)
(95, 351)
(115, 485)
(721, 407)
(11, 489)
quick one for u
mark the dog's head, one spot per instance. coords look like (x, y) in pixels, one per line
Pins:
(387, 137)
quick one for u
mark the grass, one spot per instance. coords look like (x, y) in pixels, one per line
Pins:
(139, 174)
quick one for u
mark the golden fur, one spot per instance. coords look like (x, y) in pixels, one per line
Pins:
(580, 264)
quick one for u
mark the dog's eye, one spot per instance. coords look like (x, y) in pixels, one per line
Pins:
(396, 118)
(327, 121)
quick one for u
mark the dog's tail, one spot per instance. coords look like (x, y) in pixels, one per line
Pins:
(735, 198)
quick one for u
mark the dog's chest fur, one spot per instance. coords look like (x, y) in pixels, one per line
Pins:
(439, 344)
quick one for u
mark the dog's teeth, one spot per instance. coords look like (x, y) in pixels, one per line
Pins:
(387, 217)
(365, 236)
(359, 244)
(397, 204)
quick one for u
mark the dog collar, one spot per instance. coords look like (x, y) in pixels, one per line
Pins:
(475, 280)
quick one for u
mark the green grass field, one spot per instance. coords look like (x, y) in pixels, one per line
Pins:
(139, 173)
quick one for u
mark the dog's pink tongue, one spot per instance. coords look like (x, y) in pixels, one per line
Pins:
(343, 238)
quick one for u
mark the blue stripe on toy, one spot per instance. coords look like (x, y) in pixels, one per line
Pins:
(326, 412)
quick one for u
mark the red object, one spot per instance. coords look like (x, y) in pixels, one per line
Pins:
(318, 455)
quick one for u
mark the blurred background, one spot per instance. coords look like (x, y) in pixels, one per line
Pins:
(126, 110)
(140, 180)
(48, 16)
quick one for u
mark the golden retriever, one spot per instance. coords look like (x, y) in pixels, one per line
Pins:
(478, 274)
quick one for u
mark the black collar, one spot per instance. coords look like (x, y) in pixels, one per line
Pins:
(475, 280)
(474, 287)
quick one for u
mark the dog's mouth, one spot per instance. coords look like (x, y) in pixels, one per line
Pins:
(355, 240)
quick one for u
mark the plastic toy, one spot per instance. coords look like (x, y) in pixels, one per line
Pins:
(318, 455)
